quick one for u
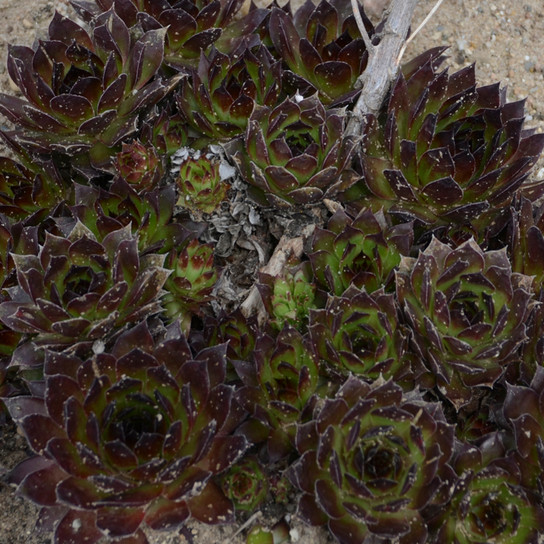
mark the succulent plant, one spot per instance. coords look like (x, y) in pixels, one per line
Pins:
(289, 296)
(526, 241)
(488, 503)
(76, 289)
(467, 311)
(323, 49)
(371, 460)
(523, 410)
(219, 98)
(280, 384)
(277, 534)
(191, 283)
(391, 380)
(21, 368)
(130, 437)
(231, 328)
(245, 484)
(296, 153)
(29, 186)
(532, 350)
(139, 166)
(149, 215)
(447, 152)
(360, 333)
(200, 183)
(84, 94)
(362, 251)
(190, 27)
(165, 128)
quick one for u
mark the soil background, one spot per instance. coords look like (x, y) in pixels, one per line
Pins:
(504, 39)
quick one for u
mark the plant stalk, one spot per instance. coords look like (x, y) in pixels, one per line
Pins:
(383, 63)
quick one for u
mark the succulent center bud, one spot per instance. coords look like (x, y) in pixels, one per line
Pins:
(466, 309)
(298, 142)
(135, 419)
(381, 462)
(241, 486)
(493, 518)
(469, 140)
(362, 342)
(81, 280)
(134, 422)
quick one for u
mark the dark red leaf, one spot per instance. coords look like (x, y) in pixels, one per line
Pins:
(333, 78)
(400, 186)
(119, 522)
(443, 192)
(72, 108)
(348, 529)
(120, 455)
(280, 179)
(71, 328)
(65, 30)
(310, 512)
(39, 429)
(224, 452)
(181, 27)
(201, 41)
(98, 124)
(113, 94)
(285, 37)
(302, 166)
(78, 493)
(211, 506)
(44, 121)
(328, 498)
(78, 527)
(163, 514)
(40, 484)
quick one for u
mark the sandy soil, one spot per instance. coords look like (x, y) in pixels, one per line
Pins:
(504, 39)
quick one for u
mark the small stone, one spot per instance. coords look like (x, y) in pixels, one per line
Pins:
(27, 24)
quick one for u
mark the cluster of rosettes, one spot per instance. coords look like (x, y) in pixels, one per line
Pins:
(391, 382)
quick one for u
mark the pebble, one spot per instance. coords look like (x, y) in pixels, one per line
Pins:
(27, 24)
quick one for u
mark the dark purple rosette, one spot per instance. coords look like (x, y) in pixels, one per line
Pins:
(371, 461)
(296, 153)
(467, 311)
(128, 438)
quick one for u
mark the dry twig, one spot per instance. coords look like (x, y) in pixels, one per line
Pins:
(361, 26)
(418, 29)
(382, 65)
